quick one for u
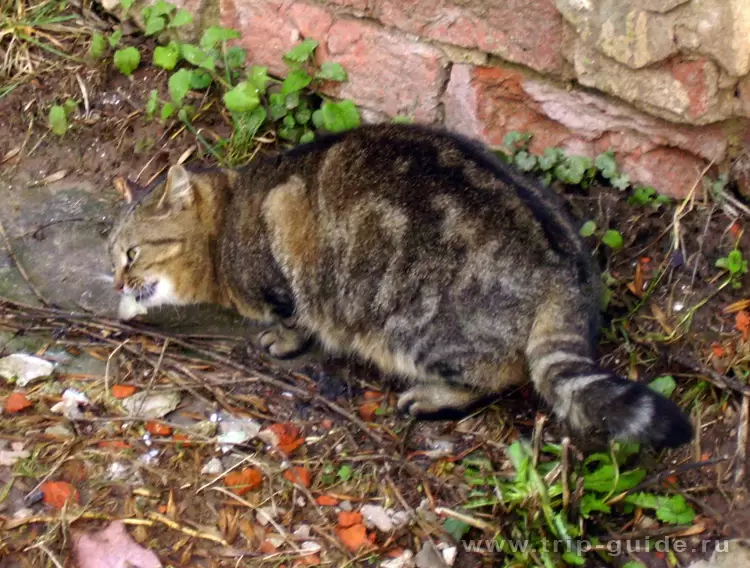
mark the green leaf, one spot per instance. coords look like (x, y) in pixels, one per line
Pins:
(114, 39)
(307, 137)
(295, 81)
(303, 115)
(633, 564)
(155, 24)
(613, 239)
(339, 116)
(734, 261)
(722, 263)
(572, 170)
(197, 57)
(126, 4)
(166, 56)
(289, 121)
(251, 122)
(331, 71)
(645, 500)
(513, 140)
(525, 161)
(301, 52)
(290, 134)
(214, 35)
(675, 510)
(457, 529)
(621, 182)
(152, 103)
(602, 479)
(58, 120)
(161, 8)
(127, 60)
(573, 558)
(179, 85)
(663, 385)
(591, 502)
(167, 110)
(235, 57)
(200, 79)
(242, 98)
(345, 472)
(401, 119)
(317, 118)
(550, 158)
(277, 111)
(642, 196)
(70, 106)
(291, 101)
(98, 45)
(181, 18)
(587, 229)
(606, 164)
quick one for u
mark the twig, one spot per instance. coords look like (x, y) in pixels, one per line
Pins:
(69, 519)
(158, 517)
(20, 267)
(742, 441)
(464, 518)
(712, 376)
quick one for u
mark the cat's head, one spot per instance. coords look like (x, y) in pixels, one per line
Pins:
(160, 248)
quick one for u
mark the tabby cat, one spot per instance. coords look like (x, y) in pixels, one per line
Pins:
(410, 247)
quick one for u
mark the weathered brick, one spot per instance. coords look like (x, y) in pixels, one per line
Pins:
(488, 102)
(521, 31)
(387, 72)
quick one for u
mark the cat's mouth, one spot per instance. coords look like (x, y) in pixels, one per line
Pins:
(145, 292)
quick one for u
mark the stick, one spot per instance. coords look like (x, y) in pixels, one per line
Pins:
(21, 269)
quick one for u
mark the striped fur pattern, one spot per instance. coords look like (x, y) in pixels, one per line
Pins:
(410, 247)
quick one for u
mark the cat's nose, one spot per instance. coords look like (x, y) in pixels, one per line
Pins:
(119, 284)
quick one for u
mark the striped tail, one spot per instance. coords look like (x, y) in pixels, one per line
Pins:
(589, 398)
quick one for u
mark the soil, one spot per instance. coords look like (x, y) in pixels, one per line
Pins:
(57, 228)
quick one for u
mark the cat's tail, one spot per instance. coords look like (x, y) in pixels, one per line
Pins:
(589, 398)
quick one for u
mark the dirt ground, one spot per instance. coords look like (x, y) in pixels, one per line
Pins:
(341, 424)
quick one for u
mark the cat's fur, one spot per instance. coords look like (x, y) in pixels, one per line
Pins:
(410, 247)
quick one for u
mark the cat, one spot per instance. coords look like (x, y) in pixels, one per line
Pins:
(408, 246)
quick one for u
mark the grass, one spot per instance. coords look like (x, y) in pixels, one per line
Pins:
(36, 38)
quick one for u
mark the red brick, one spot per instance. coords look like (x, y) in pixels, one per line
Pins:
(521, 31)
(671, 171)
(387, 72)
(488, 102)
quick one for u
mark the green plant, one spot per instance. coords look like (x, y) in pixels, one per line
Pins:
(647, 197)
(611, 238)
(57, 118)
(554, 165)
(735, 265)
(542, 508)
(293, 107)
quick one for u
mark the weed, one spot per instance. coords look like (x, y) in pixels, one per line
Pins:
(292, 107)
(555, 165)
(553, 514)
(735, 265)
(611, 238)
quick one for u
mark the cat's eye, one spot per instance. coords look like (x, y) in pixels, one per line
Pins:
(132, 253)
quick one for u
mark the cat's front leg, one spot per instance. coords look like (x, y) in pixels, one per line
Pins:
(284, 340)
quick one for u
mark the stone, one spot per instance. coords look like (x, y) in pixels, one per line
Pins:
(680, 60)
(522, 31)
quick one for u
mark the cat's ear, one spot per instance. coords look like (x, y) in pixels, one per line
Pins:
(178, 191)
(128, 189)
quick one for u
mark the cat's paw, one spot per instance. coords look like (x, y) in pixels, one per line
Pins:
(282, 342)
(436, 401)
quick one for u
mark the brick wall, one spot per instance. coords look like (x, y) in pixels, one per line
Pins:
(666, 88)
